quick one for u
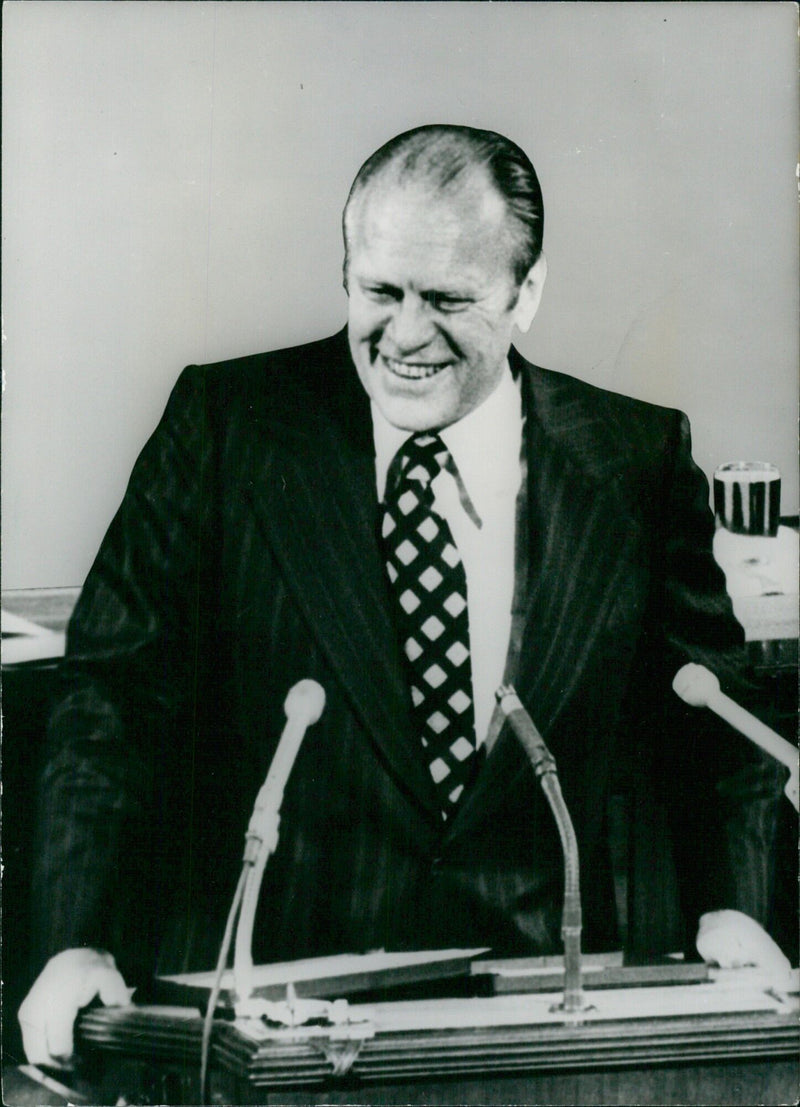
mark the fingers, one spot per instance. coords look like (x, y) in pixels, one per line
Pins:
(112, 989)
(68, 982)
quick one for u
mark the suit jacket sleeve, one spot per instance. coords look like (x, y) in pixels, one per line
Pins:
(110, 791)
(720, 792)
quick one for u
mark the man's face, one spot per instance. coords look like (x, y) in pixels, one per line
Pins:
(432, 299)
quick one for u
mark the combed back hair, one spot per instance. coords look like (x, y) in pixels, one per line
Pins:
(440, 155)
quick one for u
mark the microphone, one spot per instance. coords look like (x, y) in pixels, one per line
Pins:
(544, 766)
(303, 707)
(699, 687)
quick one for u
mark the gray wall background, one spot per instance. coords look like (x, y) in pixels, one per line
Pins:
(174, 175)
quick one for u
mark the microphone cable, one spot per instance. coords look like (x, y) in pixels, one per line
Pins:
(222, 960)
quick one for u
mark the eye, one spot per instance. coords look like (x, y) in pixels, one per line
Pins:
(382, 293)
(447, 304)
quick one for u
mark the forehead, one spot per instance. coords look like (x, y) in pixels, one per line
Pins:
(413, 226)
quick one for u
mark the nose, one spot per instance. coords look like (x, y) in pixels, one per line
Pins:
(410, 327)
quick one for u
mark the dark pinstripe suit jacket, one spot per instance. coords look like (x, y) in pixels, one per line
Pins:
(244, 557)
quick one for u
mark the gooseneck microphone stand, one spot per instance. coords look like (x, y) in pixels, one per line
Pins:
(544, 766)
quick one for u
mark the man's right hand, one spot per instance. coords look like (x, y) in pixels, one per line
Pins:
(68, 982)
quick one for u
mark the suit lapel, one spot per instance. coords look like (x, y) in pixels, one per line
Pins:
(581, 539)
(578, 563)
(317, 501)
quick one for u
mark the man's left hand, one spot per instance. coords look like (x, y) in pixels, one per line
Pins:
(732, 940)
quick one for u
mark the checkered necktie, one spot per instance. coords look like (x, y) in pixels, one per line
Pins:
(430, 586)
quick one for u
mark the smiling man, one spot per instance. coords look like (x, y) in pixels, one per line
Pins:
(410, 514)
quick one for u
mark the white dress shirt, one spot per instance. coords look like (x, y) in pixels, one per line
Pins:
(485, 447)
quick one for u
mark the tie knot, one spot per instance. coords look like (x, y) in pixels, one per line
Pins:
(419, 459)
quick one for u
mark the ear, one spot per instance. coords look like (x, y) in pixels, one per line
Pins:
(530, 294)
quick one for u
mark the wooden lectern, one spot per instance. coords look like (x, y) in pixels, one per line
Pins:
(727, 1039)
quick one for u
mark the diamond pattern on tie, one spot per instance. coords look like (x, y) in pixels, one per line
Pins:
(429, 583)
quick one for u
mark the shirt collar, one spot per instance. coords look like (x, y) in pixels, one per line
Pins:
(484, 445)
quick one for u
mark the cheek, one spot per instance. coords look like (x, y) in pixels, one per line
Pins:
(367, 321)
(480, 338)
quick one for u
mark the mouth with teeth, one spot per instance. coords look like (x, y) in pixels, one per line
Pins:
(413, 370)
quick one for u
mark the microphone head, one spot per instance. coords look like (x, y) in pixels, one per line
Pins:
(695, 685)
(306, 701)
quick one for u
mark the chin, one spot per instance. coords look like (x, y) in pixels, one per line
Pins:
(413, 416)
(432, 409)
